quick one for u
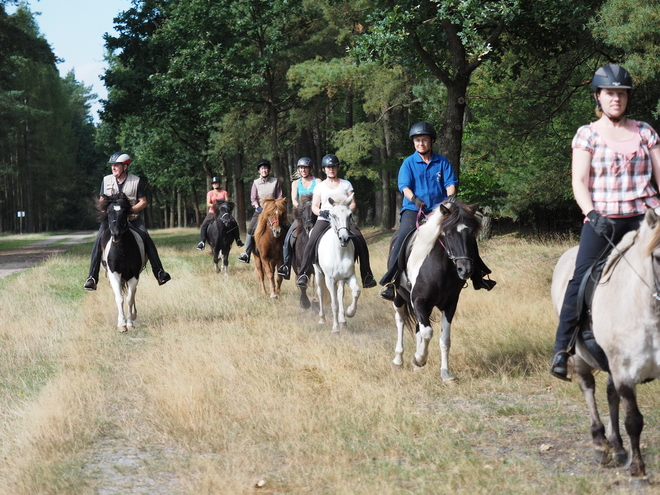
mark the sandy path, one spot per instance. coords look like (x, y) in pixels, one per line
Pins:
(15, 260)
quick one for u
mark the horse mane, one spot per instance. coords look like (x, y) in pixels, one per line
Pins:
(305, 201)
(119, 199)
(222, 202)
(269, 207)
(439, 221)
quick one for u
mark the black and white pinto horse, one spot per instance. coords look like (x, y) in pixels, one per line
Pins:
(221, 233)
(124, 256)
(625, 319)
(441, 260)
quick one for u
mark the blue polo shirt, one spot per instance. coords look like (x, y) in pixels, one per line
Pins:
(429, 181)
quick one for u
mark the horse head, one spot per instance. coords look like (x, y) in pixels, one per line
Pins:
(304, 215)
(273, 213)
(222, 210)
(116, 209)
(340, 217)
(459, 229)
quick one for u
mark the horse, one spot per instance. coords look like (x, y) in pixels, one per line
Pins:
(124, 255)
(269, 244)
(336, 264)
(221, 233)
(305, 219)
(625, 319)
(441, 260)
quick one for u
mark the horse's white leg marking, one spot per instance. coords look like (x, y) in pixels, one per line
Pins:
(319, 278)
(341, 311)
(131, 288)
(355, 289)
(445, 345)
(400, 325)
(423, 338)
(115, 283)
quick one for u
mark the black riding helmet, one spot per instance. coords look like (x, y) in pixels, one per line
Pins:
(263, 162)
(611, 76)
(422, 129)
(305, 162)
(215, 180)
(330, 161)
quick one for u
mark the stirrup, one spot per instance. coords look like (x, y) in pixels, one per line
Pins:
(201, 245)
(559, 366)
(90, 284)
(389, 292)
(245, 258)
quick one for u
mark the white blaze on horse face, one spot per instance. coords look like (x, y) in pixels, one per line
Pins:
(461, 228)
(117, 208)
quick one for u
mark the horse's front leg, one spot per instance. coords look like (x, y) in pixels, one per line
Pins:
(331, 285)
(339, 299)
(620, 454)
(271, 272)
(115, 283)
(445, 345)
(224, 255)
(355, 291)
(634, 424)
(399, 313)
(131, 290)
(423, 335)
(319, 278)
(260, 274)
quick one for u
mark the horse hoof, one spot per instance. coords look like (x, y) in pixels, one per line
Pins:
(620, 458)
(601, 457)
(273, 296)
(122, 329)
(322, 321)
(639, 483)
(396, 366)
(304, 305)
(446, 376)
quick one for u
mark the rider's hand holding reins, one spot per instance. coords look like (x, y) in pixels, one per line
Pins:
(603, 226)
(418, 202)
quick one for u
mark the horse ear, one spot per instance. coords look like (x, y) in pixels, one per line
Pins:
(444, 210)
(331, 201)
(474, 208)
(350, 198)
(651, 217)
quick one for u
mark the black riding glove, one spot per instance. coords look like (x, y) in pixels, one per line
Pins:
(324, 214)
(603, 226)
(418, 202)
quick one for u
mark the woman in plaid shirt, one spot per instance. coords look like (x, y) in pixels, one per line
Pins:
(614, 160)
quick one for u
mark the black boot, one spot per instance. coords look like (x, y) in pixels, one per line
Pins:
(249, 243)
(388, 292)
(478, 282)
(559, 366)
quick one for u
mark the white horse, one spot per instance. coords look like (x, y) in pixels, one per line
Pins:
(336, 264)
(625, 314)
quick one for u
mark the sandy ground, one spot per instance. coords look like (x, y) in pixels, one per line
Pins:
(15, 260)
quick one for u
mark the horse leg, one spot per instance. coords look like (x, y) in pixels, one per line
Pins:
(355, 290)
(588, 387)
(320, 284)
(634, 424)
(271, 271)
(620, 455)
(260, 274)
(332, 287)
(423, 335)
(304, 300)
(399, 318)
(115, 283)
(131, 289)
(445, 345)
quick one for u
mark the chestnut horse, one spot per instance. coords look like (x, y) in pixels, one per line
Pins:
(269, 244)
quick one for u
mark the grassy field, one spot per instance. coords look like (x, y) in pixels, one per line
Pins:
(218, 389)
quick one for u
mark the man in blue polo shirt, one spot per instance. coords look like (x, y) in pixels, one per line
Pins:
(426, 179)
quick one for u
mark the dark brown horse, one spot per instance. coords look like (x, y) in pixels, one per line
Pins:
(305, 220)
(269, 243)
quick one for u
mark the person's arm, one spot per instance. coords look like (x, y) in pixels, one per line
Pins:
(209, 201)
(294, 194)
(655, 163)
(451, 190)
(353, 204)
(278, 190)
(254, 196)
(140, 205)
(581, 166)
(316, 204)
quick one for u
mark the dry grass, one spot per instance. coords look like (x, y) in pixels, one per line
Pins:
(221, 390)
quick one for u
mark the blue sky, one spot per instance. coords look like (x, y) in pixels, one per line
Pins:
(74, 29)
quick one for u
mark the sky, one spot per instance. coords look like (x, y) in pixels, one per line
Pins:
(74, 29)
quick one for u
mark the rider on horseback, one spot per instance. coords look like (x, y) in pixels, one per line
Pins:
(131, 185)
(322, 193)
(212, 196)
(614, 161)
(303, 185)
(426, 179)
(262, 188)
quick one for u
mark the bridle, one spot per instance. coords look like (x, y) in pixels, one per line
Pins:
(445, 246)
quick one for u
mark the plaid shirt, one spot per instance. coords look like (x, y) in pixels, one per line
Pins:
(619, 183)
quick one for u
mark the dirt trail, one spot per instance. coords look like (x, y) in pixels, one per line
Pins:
(15, 260)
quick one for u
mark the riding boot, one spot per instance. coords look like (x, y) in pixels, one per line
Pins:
(368, 280)
(480, 270)
(152, 254)
(559, 366)
(594, 349)
(249, 245)
(284, 271)
(389, 292)
(95, 262)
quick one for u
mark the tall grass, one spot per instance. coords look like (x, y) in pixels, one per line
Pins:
(218, 389)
